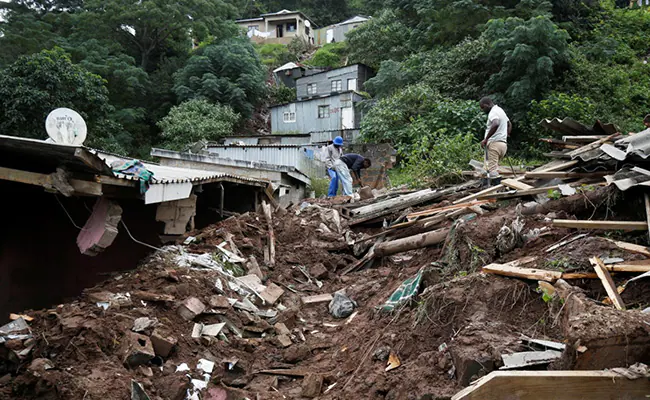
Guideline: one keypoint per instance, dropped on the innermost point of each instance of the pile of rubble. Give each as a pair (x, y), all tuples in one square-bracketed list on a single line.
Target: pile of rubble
[(401, 295)]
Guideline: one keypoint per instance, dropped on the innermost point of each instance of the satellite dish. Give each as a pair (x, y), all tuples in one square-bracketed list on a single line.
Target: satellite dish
[(66, 126), (307, 23)]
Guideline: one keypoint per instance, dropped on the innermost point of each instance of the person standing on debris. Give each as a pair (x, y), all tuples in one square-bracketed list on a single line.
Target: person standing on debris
[(350, 162), (496, 138), (333, 154)]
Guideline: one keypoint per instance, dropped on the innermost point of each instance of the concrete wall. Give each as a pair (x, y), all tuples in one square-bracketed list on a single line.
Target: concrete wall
[(339, 32), (323, 80), (306, 114)]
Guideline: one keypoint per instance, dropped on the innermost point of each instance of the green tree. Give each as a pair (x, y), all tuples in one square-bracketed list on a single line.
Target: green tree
[(330, 55), (149, 28), (196, 120), (35, 85), (532, 54), (228, 72)]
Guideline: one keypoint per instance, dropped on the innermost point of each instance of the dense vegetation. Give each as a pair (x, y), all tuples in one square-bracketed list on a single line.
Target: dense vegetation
[(153, 72)]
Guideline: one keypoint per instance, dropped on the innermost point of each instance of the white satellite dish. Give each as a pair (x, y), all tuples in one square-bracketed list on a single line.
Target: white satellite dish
[(66, 126), (307, 23)]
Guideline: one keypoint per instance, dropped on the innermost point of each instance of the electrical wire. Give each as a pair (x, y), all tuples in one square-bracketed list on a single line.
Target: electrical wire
[(136, 240), (68, 214)]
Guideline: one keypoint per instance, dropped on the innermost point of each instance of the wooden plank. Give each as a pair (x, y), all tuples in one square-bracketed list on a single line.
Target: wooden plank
[(629, 267), (550, 167), (431, 211), (91, 160), (556, 385), (593, 145), (86, 188), (579, 275), (631, 247), (515, 184), (513, 269), (578, 224), (567, 175), (583, 138), (608, 282), (269, 223), (320, 298), (109, 180)]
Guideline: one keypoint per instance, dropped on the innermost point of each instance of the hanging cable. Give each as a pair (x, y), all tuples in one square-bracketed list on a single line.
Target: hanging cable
[(66, 213), (136, 240)]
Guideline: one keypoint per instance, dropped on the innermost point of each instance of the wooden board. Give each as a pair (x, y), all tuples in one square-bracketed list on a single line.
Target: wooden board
[(631, 247), (608, 282), (513, 270), (515, 184), (629, 267), (320, 298), (431, 211), (555, 385), (80, 187), (593, 145), (583, 138), (624, 225)]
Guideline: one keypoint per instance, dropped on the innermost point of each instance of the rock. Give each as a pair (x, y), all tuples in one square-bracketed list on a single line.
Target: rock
[(381, 354), (162, 344), (365, 193), (136, 349), (284, 340), (100, 297), (296, 353), (272, 293), (281, 329), (40, 365), (312, 385), (219, 302), (341, 306), (318, 271), (143, 324), (190, 308)]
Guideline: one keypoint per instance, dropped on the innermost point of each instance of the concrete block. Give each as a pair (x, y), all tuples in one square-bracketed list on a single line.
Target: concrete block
[(318, 271), (272, 293), (190, 308), (162, 344), (219, 302), (284, 340), (136, 349), (281, 329), (100, 229)]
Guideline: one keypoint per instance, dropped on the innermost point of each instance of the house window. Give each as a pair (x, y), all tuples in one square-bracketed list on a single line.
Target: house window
[(289, 117), (337, 86), (346, 104), (291, 27), (352, 84), (312, 88), (253, 28), (323, 111)]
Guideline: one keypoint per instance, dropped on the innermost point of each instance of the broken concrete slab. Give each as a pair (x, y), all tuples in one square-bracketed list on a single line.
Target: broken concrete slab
[(144, 324), (281, 329), (318, 271), (190, 308), (219, 301), (284, 340), (100, 229), (272, 293), (212, 330)]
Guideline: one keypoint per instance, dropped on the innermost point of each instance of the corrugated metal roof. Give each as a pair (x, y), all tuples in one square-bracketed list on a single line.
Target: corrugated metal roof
[(626, 178), (356, 19), (571, 127), (167, 175)]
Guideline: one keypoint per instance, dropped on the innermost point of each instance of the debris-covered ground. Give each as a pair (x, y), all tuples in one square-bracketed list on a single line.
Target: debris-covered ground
[(298, 306)]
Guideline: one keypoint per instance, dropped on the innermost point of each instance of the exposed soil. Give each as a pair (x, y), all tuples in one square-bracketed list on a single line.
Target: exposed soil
[(455, 332)]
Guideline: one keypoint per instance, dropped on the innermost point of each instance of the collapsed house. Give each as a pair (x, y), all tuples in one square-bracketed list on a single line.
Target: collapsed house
[(529, 289)]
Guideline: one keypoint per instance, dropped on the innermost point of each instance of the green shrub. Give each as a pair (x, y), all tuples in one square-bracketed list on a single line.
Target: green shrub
[(330, 55), (274, 55)]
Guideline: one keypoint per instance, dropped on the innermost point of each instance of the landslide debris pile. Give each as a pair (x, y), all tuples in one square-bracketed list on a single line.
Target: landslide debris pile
[(319, 301)]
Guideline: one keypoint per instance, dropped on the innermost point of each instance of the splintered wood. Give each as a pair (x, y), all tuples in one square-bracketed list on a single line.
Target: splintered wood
[(269, 222), (608, 283)]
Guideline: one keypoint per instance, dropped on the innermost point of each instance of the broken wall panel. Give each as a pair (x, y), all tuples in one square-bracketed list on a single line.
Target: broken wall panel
[(177, 215), (100, 229)]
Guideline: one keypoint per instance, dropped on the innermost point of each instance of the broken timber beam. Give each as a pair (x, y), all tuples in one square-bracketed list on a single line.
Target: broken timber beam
[(431, 211), (631, 247), (411, 242), (613, 225), (556, 385), (515, 184), (269, 221), (592, 146), (608, 283), (80, 187)]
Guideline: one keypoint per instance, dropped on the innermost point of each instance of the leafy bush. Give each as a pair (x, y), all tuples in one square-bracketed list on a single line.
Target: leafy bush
[(280, 94), (228, 72), (329, 55), (274, 55), (196, 120)]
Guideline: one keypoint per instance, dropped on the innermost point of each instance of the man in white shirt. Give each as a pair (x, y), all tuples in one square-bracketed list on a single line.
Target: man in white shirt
[(497, 131)]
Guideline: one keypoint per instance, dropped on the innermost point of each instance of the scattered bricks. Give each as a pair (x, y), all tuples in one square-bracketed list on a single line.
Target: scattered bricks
[(162, 343), (284, 340), (281, 329), (312, 385), (219, 302), (318, 271), (136, 350), (191, 308), (272, 293)]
